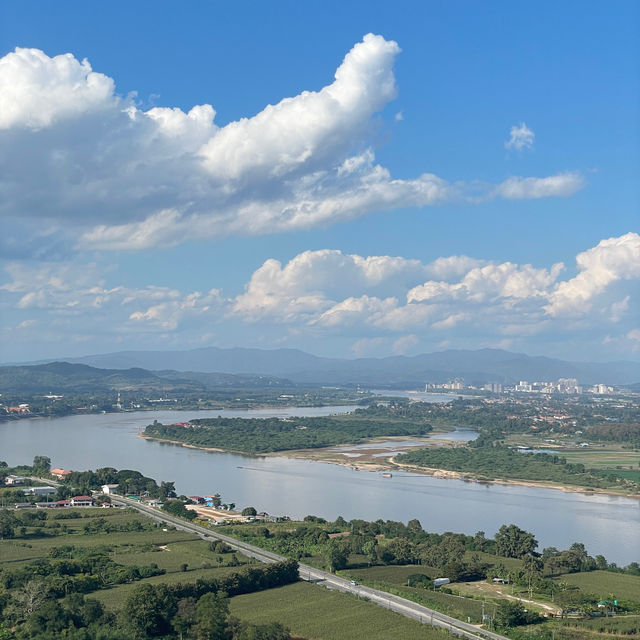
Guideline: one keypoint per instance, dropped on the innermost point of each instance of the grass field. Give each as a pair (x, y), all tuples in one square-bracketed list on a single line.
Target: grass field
[(23, 550), (628, 474), (607, 457), (314, 612), (603, 583), (394, 580), (393, 574)]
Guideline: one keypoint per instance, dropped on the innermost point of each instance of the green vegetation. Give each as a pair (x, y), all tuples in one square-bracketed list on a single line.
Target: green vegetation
[(403, 559), (603, 583), (491, 462), (627, 433), (51, 560), (318, 613), (263, 435)]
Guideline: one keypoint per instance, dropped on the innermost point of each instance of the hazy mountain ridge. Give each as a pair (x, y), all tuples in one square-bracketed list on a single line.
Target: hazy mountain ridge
[(484, 365), (57, 377)]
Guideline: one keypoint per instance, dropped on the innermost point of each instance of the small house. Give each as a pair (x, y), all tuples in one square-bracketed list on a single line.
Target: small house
[(13, 481), (61, 474), (81, 501)]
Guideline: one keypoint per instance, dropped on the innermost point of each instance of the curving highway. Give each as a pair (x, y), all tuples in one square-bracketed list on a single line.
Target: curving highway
[(382, 598)]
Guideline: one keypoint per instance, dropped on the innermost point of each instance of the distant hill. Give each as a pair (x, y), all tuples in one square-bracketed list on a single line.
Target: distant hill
[(484, 365), (59, 377)]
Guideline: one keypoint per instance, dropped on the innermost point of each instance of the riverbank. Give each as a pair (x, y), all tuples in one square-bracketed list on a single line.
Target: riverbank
[(366, 462), (470, 477)]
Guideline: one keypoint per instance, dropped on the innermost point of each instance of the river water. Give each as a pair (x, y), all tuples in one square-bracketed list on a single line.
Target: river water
[(607, 525)]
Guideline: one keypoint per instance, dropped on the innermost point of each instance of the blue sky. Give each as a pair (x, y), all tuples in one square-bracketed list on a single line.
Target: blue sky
[(468, 179)]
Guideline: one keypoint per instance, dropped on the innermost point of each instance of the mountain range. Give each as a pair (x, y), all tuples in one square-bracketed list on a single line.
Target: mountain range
[(476, 367), (82, 378)]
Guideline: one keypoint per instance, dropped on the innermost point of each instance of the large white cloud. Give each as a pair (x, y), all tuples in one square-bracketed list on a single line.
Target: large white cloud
[(374, 300), (114, 176), (612, 260), (314, 281), (36, 90)]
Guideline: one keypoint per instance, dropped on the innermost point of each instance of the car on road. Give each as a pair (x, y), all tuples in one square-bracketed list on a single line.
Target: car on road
[(353, 583)]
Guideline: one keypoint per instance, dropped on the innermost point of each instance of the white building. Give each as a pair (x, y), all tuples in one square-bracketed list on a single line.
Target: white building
[(109, 489)]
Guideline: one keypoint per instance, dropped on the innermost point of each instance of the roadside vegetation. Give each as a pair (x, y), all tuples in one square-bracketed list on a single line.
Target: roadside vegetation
[(503, 580)]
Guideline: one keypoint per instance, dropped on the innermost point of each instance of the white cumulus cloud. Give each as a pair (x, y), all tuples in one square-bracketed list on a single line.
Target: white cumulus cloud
[(612, 260), (113, 176)]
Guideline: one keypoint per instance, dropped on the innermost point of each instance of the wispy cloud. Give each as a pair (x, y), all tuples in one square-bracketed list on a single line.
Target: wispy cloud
[(520, 137)]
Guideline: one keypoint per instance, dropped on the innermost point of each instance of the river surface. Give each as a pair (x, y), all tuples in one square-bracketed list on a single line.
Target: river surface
[(607, 525)]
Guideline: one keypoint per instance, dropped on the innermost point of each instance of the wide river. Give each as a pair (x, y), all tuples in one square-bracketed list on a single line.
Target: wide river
[(606, 525)]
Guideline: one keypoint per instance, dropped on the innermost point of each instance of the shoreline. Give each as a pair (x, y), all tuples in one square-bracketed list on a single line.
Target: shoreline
[(389, 465)]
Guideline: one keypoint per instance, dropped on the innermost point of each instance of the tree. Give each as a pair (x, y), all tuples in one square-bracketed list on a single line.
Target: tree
[(148, 610), (211, 616), (336, 556), (400, 551), (510, 614), (185, 616), (249, 511), (167, 490), (7, 524), (414, 526), (451, 549), (28, 599), (480, 542), (369, 550), (513, 542), (41, 465)]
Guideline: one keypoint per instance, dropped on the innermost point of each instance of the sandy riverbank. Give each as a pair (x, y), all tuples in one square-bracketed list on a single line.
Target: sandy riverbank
[(366, 462)]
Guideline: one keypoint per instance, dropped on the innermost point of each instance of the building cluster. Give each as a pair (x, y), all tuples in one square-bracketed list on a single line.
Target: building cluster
[(20, 410), (565, 386)]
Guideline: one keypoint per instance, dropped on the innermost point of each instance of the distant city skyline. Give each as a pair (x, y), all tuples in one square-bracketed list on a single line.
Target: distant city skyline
[(358, 180)]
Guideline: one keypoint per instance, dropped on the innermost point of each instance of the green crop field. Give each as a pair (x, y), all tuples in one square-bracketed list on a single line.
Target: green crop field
[(171, 556), (629, 474), (604, 583), (314, 612), (114, 598), (394, 578), (393, 574)]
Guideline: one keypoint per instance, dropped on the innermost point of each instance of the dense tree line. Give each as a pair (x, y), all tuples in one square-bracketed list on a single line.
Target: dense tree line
[(263, 435), (492, 462), (128, 481), (627, 433)]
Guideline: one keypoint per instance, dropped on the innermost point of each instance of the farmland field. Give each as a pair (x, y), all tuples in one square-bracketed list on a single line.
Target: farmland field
[(394, 579), (314, 612), (167, 548), (604, 583)]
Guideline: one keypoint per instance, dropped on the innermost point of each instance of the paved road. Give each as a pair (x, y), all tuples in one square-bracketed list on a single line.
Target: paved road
[(388, 601)]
